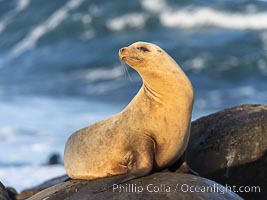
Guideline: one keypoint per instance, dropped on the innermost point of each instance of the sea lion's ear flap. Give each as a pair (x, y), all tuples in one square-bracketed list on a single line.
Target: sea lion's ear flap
[(159, 50)]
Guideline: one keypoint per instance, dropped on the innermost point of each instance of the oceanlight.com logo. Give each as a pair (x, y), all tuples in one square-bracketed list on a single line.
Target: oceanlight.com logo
[(165, 188), (218, 188), (243, 189)]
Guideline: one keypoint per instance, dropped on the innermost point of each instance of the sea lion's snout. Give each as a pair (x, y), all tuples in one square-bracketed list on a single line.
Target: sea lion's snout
[(121, 52), (122, 49)]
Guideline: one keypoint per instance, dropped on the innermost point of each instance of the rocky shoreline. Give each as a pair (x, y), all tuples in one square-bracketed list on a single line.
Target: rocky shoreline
[(227, 148)]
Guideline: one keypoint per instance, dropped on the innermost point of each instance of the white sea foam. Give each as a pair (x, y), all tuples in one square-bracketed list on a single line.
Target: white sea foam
[(196, 64), (52, 22), (22, 4), (104, 74), (153, 6), (197, 17), (86, 19), (24, 177), (246, 91), (133, 20), (40, 128), (262, 66), (264, 40), (43, 125)]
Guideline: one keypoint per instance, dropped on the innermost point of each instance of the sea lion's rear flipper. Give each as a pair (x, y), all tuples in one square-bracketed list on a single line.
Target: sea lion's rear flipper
[(142, 164)]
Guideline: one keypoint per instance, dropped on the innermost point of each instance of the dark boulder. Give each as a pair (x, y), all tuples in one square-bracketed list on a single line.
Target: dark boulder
[(164, 185), (54, 159), (3, 193), (230, 147)]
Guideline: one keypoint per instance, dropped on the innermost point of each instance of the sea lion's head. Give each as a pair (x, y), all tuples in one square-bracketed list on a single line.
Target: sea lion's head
[(139, 53), (147, 58)]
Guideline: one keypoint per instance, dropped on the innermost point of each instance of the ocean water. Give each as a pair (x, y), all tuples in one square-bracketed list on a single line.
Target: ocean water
[(60, 71)]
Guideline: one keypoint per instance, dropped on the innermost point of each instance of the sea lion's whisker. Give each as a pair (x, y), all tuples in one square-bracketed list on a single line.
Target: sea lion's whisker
[(125, 69)]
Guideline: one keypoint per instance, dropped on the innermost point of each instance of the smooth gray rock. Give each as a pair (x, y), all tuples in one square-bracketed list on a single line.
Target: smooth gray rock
[(230, 147), (164, 185)]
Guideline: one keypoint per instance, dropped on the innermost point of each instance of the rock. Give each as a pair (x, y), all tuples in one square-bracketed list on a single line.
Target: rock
[(180, 166), (164, 185), (30, 192), (3, 192), (54, 159), (230, 147), (12, 193)]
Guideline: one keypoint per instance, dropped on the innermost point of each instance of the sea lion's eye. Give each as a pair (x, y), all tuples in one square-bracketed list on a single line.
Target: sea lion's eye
[(144, 49)]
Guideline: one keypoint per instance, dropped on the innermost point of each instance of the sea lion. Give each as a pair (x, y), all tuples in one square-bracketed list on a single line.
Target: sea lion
[(150, 134)]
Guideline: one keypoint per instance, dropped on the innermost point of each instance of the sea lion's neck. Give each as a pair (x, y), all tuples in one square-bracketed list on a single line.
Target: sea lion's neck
[(170, 86)]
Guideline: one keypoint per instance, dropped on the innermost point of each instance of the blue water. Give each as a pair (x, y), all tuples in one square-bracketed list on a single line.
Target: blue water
[(60, 71)]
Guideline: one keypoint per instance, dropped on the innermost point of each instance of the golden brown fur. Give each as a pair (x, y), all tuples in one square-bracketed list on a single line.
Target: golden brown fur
[(150, 133)]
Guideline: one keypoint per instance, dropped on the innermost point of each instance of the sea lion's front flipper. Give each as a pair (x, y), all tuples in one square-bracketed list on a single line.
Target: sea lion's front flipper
[(141, 164)]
